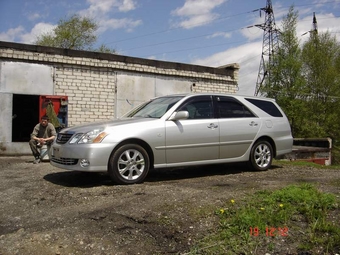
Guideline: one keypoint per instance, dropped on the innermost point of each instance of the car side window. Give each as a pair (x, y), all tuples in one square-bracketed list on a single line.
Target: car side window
[(232, 108), (266, 106), (199, 108)]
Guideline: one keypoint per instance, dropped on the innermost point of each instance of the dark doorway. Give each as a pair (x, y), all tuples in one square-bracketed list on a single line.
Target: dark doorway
[(25, 116)]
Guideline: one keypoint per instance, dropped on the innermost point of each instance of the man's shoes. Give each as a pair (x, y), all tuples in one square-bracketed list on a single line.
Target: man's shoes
[(36, 161)]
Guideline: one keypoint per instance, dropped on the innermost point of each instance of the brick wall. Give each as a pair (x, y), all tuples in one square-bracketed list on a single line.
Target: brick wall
[(91, 92)]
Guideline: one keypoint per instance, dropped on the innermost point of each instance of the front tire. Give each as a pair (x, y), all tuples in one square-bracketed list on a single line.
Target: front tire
[(261, 156), (129, 164)]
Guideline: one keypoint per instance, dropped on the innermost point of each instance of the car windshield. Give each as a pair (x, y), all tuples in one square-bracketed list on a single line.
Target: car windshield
[(155, 108)]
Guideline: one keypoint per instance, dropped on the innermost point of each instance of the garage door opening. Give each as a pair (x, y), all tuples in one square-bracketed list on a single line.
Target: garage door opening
[(28, 110), (25, 115)]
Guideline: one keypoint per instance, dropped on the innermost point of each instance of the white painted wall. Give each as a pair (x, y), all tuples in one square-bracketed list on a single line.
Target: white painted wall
[(133, 89), (19, 78), (26, 78)]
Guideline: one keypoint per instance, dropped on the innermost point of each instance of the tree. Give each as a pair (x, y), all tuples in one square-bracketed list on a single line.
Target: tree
[(306, 80), (321, 58), (287, 85), (104, 49), (76, 33), (306, 83)]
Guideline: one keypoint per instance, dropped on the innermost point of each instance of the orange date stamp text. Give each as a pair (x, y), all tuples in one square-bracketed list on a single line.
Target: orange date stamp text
[(269, 231)]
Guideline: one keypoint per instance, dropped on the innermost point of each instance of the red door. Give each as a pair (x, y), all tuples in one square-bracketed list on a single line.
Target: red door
[(55, 107)]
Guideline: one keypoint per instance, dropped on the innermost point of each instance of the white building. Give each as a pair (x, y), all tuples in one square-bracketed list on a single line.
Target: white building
[(87, 86)]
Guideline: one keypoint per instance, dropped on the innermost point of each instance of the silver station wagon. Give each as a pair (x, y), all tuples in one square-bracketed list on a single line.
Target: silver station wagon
[(177, 130)]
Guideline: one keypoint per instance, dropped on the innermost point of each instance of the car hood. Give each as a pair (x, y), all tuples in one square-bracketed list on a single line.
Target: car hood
[(83, 128)]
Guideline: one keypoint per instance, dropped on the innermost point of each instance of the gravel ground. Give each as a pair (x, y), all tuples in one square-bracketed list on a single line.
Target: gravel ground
[(46, 210)]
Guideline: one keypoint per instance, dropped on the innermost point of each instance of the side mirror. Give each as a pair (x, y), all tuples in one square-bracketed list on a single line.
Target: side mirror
[(181, 115)]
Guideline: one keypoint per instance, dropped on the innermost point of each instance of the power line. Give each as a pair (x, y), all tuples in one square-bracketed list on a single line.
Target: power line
[(330, 17), (189, 38), (191, 48), (176, 28), (315, 96), (248, 59), (203, 23), (193, 37), (329, 2), (179, 40)]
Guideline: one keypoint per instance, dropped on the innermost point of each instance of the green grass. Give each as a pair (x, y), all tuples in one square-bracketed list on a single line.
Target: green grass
[(296, 213), (304, 164)]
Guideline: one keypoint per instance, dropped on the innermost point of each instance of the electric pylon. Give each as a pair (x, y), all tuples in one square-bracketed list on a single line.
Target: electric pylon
[(270, 46), (315, 24), (314, 30)]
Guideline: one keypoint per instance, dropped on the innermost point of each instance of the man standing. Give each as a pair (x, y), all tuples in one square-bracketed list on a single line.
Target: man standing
[(43, 133)]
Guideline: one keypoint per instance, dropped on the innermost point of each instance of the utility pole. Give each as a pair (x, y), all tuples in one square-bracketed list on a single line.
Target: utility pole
[(270, 46)]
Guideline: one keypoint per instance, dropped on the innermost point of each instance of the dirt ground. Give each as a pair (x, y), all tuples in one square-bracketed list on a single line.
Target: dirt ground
[(46, 210)]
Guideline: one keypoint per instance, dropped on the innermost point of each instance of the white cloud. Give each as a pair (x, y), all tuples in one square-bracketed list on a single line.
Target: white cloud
[(127, 5), (320, 3), (325, 23), (197, 7), (220, 34), (33, 16), (11, 34), (20, 35), (152, 57), (100, 11), (247, 55), (101, 7), (252, 33), (37, 30), (129, 24), (196, 13)]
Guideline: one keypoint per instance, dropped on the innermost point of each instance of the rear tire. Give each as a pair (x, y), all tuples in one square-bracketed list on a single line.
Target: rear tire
[(129, 164), (261, 156)]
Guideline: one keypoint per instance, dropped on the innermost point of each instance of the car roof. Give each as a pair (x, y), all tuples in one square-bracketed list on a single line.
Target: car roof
[(220, 94)]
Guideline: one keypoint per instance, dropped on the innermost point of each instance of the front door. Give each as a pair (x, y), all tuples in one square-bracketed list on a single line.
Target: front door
[(196, 138)]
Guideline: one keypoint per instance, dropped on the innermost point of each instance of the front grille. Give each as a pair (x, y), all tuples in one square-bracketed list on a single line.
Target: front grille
[(65, 161), (63, 138)]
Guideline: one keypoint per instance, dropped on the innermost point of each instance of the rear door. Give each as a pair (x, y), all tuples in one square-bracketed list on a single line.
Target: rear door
[(238, 127), (196, 138)]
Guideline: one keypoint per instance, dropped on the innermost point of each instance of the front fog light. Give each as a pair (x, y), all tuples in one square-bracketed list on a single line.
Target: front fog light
[(84, 163)]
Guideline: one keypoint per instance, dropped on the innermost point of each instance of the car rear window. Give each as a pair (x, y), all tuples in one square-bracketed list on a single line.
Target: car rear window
[(266, 106)]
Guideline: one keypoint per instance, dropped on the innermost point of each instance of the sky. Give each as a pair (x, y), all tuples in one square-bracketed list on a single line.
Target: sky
[(201, 32)]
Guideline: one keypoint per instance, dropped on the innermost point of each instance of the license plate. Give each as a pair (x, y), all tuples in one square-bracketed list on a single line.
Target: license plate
[(55, 152)]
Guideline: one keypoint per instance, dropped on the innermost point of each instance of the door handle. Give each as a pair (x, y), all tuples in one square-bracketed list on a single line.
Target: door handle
[(253, 123), (212, 126)]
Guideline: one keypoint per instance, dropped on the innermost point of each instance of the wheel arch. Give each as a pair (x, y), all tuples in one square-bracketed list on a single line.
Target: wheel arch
[(269, 140), (140, 142)]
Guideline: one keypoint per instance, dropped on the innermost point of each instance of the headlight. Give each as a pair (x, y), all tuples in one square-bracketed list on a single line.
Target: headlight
[(94, 136), (76, 138)]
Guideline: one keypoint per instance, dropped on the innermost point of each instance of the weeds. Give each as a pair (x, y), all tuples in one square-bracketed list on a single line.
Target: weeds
[(266, 219)]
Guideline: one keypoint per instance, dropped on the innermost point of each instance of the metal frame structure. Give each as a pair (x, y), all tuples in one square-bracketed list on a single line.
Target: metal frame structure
[(269, 47)]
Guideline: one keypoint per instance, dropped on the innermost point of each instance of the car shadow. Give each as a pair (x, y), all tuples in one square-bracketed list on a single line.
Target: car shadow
[(89, 180), (79, 179), (192, 172)]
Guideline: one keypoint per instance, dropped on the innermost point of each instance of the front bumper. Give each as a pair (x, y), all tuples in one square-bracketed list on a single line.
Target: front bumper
[(70, 157)]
